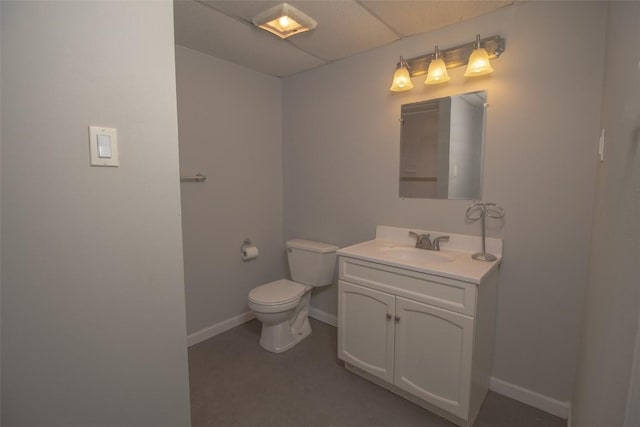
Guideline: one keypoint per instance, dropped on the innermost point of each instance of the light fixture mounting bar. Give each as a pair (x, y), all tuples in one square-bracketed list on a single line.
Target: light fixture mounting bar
[(457, 56)]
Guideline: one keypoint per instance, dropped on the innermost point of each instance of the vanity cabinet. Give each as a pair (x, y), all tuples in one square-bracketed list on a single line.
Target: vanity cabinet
[(366, 329), (428, 338)]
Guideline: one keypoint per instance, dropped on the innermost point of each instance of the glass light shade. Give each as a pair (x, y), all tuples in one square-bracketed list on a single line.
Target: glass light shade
[(437, 72), (284, 20), (284, 25), (401, 80), (479, 64)]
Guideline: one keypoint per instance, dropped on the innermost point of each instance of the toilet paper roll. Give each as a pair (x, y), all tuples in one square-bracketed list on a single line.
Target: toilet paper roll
[(249, 252)]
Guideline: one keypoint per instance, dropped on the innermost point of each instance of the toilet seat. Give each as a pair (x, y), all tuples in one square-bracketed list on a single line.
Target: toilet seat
[(277, 293)]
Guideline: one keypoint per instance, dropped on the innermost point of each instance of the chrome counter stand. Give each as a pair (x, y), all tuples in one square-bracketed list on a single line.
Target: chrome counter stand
[(480, 210)]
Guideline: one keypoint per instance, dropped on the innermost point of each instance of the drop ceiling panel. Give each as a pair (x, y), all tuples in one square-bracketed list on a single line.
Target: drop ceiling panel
[(242, 9), (223, 28), (204, 29), (408, 17), (344, 28)]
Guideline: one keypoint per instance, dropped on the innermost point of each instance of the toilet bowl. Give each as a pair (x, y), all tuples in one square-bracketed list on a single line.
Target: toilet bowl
[(283, 305)]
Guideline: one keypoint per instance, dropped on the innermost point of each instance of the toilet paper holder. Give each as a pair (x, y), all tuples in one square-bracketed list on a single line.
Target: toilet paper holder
[(248, 251), (246, 242)]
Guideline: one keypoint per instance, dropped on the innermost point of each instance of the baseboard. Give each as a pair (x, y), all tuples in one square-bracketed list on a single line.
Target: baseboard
[(225, 325), (323, 316), (531, 398), (219, 328)]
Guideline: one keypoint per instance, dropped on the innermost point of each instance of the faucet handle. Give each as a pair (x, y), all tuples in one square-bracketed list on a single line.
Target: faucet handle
[(423, 241), (417, 237), (436, 242)]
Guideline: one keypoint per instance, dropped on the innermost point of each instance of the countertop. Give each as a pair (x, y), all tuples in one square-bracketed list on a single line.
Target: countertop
[(461, 267)]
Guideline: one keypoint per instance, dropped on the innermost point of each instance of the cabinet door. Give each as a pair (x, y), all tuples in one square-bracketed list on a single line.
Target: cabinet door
[(433, 355), (365, 329)]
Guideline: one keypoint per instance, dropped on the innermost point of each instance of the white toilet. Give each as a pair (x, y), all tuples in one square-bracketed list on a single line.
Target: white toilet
[(283, 306)]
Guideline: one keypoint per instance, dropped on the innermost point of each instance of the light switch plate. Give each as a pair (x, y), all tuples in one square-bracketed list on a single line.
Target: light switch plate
[(601, 143), (103, 146)]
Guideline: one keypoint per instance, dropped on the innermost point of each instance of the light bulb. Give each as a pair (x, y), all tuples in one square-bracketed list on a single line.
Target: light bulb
[(284, 22)]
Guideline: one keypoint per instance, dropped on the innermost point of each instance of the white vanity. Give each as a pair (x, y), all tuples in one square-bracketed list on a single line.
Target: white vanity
[(418, 322)]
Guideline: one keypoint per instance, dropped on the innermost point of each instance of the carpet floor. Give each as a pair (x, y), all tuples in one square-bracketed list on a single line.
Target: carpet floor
[(234, 382)]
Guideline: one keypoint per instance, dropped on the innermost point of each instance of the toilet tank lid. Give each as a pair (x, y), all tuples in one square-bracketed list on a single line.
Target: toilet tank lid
[(311, 246)]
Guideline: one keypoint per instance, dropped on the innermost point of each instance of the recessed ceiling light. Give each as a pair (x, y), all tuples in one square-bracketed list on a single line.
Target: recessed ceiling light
[(284, 20)]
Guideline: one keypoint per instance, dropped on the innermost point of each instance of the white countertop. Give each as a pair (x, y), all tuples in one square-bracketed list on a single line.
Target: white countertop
[(458, 249)]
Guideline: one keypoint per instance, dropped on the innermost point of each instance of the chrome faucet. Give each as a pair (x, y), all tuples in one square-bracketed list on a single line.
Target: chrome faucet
[(435, 244), (423, 241)]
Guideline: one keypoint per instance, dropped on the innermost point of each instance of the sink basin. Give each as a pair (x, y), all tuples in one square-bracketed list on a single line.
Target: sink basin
[(415, 255)]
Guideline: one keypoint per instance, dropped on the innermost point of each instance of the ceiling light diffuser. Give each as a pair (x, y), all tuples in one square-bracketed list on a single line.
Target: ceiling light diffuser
[(284, 21)]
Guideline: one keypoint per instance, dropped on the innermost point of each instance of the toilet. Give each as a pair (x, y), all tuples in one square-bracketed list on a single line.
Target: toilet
[(283, 305)]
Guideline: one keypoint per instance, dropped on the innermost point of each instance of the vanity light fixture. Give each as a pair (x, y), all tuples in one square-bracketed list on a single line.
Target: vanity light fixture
[(437, 70), (401, 78), (475, 55), (284, 21), (479, 64)]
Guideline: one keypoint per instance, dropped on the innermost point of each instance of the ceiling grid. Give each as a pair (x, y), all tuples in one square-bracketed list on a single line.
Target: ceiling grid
[(223, 28)]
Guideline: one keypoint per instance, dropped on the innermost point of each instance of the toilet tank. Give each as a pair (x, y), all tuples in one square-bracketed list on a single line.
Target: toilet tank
[(311, 263)]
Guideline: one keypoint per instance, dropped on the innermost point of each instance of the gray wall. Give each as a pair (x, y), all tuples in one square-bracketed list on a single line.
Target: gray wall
[(613, 296), (0, 212), (341, 161), (93, 319), (230, 126)]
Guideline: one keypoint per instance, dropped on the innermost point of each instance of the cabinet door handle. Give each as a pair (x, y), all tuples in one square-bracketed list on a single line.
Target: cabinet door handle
[(389, 316), (397, 319)]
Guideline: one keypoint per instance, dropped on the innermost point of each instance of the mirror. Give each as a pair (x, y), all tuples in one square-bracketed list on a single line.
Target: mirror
[(441, 147)]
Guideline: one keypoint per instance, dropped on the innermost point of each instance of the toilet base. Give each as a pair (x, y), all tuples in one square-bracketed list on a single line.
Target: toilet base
[(284, 335), (279, 338)]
